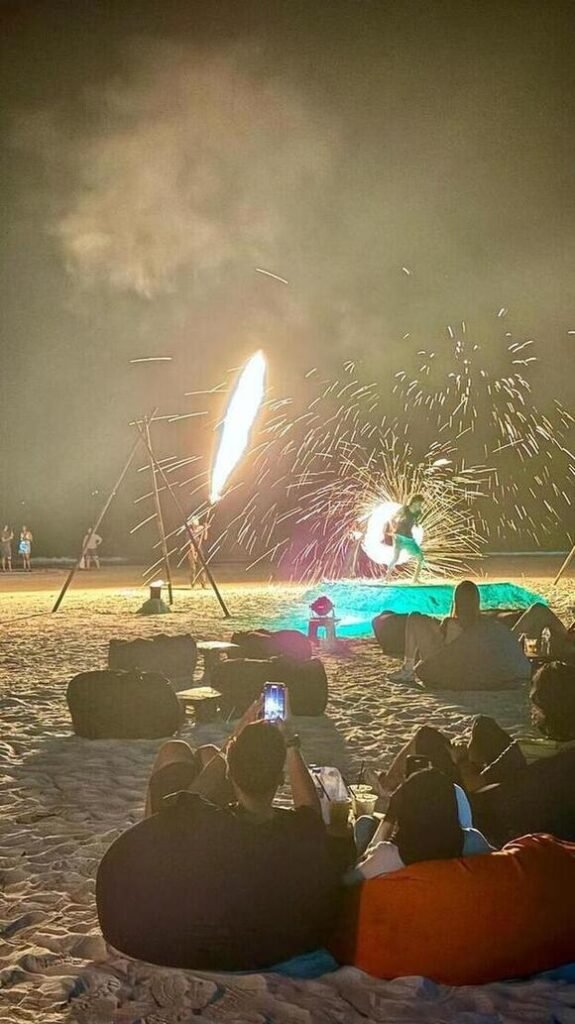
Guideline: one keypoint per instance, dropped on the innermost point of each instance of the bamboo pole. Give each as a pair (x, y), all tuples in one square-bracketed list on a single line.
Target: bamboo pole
[(186, 525), (159, 515), (565, 565), (94, 528)]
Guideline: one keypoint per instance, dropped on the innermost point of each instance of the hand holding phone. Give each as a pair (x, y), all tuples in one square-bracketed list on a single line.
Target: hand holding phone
[(274, 702)]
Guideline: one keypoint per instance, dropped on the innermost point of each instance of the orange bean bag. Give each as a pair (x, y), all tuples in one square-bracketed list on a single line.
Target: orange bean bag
[(467, 921)]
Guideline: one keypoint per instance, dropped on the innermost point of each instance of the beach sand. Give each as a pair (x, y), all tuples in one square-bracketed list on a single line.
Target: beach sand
[(63, 800)]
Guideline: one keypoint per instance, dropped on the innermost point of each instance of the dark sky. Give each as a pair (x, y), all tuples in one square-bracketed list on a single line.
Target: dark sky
[(153, 155)]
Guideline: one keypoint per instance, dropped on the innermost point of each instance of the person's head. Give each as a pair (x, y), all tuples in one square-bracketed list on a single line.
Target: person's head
[(424, 809), (436, 747), (415, 503), (256, 760), (487, 741), (466, 603), (553, 700)]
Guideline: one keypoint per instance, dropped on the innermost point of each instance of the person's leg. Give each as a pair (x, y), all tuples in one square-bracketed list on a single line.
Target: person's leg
[(172, 752), (538, 617), (418, 555), (397, 549), (363, 832), (423, 637), (96, 560), (178, 767)]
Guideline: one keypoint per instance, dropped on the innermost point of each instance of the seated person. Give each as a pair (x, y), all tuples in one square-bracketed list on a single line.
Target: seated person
[(538, 617), (552, 699), (254, 757), (488, 755), (234, 887), (421, 824), (424, 634)]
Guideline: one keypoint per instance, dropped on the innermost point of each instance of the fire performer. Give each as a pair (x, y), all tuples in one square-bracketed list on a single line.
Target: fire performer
[(200, 534), (401, 529)]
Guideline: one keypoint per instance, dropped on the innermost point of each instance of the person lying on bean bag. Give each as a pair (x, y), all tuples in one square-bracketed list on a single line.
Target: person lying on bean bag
[(421, 824), (218, 885)]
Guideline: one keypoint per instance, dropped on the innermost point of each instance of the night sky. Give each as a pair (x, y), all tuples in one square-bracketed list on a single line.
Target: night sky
[(155, 154)]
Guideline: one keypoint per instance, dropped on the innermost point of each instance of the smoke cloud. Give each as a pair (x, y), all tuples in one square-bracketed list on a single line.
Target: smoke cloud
[(189, 160)]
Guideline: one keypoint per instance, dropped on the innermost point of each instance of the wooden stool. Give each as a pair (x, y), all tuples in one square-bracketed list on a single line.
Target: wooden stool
[(327, 622)]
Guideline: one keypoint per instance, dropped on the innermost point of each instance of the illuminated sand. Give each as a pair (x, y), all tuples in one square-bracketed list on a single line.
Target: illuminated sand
[(63, 800)]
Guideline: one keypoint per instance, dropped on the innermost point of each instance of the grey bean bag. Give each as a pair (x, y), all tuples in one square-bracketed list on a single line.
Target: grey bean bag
[(485, 657)]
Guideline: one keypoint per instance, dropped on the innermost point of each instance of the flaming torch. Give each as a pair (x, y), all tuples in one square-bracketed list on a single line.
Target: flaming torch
[(238, 421)]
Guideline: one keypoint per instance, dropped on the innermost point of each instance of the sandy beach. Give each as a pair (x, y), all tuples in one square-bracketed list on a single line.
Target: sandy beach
[(64, 800)]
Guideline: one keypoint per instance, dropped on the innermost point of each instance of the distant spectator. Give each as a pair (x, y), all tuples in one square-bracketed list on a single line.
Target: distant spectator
[(6, 538), (90, 546), (25, 548)]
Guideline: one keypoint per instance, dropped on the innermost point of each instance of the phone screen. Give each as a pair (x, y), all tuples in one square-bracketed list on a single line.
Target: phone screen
[(274, 701)]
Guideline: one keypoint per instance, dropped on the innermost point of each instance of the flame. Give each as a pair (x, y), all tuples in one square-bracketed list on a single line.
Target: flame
[(373, 543), (238, 421)]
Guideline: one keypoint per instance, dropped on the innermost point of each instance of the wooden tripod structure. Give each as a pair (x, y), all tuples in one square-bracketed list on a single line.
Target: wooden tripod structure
[(144, 438)]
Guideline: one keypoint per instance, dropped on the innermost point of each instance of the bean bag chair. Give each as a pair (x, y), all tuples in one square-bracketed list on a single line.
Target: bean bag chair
[(195, 886), (262, 643), (389, 629), (484, 657), (123, 705), (241, 680), (172, 656), (468, 921), (539, 797)]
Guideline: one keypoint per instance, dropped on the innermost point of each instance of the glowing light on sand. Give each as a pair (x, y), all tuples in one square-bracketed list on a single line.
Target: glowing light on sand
[(238, 422), (373, 541)]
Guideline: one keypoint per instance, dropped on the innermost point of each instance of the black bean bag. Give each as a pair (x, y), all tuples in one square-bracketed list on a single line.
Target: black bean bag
[(197, 887), (389, 629), (539, 797), (262, 643), (173, 656), (123, 705), (484, 657), (241, 680)]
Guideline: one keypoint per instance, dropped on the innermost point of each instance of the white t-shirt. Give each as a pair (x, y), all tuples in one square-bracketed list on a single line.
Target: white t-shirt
[(383, 858)]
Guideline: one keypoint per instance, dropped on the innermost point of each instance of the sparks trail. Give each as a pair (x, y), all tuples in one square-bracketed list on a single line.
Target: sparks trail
[(481, 399)]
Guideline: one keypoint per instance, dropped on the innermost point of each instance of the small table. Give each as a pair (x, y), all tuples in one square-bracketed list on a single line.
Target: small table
[(213, 652), (204, 701)]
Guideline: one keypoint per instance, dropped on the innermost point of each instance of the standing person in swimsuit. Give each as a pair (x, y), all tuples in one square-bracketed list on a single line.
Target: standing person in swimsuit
[(6, 538), (402, 525), (25, 548)]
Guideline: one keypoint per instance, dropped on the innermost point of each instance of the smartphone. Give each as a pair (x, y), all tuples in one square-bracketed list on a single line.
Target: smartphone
[(415, 763), (274, 702)]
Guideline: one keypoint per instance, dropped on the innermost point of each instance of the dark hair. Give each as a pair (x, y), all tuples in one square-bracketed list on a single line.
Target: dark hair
[(553, 693), (466, 602), (256, 759), (425, 809), (416, 497), (432, 744)]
